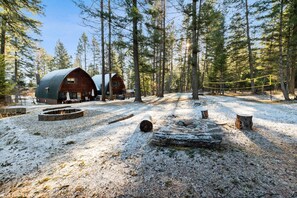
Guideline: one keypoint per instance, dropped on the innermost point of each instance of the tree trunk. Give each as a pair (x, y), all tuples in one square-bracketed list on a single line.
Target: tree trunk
[(160, 73), (194, 51), (171, 70), (135, 54), (2, 60), (251, 60), (109, 52), (102, 53), (143, 85), (16, 75), (284, 86), (154, 73), (3, 37), (184, 80), (187, 77), (85, 55), (293, 53), (164, 49)]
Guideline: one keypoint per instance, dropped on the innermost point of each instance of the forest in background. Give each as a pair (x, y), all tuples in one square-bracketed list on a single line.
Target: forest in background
[(161, 46)]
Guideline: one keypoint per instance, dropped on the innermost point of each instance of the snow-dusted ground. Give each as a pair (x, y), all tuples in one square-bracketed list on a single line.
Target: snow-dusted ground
[(86, 157)]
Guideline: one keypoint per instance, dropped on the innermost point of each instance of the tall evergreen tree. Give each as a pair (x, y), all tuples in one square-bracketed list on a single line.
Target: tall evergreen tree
[(102, 51), (95, 54), (244, 8), (195, 48), (134, 12), (16, 21), (61, 59), (82, 49)]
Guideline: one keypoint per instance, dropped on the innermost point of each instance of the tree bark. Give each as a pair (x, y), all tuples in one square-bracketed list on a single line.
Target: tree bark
[(251, 60), (284, 87), (154, 68), (292, 80), (3, 38), (102, 53), (164, 49), (16, 74), (293, 54), (136, 54), (194, 51), (244, 122), (109, 52), (185, 139), (2, 60)]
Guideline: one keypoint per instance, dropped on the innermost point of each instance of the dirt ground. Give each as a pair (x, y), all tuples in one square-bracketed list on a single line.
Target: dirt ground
[(87, 157)]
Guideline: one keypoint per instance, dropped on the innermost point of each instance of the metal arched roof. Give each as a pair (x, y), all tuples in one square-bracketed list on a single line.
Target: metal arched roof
[(98, 80)]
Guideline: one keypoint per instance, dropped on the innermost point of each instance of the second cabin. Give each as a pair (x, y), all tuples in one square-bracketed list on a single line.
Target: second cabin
[(118, 86)]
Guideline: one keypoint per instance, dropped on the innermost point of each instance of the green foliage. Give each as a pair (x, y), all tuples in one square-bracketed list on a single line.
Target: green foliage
[(61, 58), (18, 29)]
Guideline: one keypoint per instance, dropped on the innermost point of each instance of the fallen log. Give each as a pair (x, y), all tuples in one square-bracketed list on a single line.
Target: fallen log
[(122, 118), (55, 108), (244, 122), (146, 124), (186, 140)]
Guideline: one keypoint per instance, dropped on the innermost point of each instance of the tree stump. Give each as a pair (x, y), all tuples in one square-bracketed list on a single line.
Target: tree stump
[(146, 124), (244, 122), (204, 114)]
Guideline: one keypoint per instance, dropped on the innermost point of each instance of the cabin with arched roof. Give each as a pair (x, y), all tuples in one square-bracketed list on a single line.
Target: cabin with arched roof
[(66, 85), (118, 85)]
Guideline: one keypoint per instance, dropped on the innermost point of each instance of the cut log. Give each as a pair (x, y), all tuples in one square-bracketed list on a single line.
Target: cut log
[(186, 140), (146, 124), (204, 114), (122, 118), (244, 122), (54, 108)]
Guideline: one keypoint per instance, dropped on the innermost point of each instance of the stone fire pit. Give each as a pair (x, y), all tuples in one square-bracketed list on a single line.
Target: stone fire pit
[(60, 114)]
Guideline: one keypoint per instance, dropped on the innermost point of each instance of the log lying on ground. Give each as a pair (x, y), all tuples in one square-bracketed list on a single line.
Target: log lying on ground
[(146, 124), (186, 140), (244, 122), (54, 108), (122, 118)]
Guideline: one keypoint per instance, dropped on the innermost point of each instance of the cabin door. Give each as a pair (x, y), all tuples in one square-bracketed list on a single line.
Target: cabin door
[(78, 95)]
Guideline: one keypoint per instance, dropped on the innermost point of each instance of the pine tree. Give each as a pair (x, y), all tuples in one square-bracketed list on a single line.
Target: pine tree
[(16, 21), (244, 8), (135, 18), (61, 59), (82, 49), (95, 54)]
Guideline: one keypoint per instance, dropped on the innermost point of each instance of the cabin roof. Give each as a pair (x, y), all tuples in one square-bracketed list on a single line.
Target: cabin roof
[(50, 84), (98, 80)]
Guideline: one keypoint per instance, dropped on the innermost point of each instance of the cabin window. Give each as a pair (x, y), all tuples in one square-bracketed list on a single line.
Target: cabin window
[(73, 95), (70, 80), (115, 84), (46, 90)]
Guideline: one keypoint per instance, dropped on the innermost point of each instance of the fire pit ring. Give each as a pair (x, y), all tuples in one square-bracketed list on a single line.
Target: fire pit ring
[(60, 114)]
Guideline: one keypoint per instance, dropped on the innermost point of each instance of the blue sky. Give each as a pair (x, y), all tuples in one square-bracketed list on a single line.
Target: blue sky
[(61, 22)]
